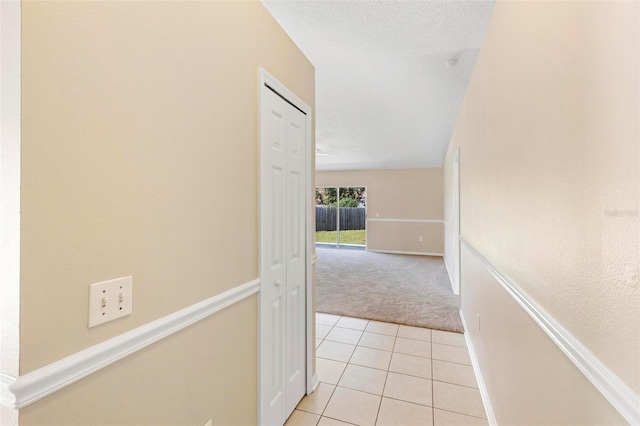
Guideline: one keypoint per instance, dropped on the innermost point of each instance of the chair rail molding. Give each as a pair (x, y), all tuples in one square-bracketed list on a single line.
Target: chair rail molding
[(379, 219), (614, 389), (44, 381), (416, 253)]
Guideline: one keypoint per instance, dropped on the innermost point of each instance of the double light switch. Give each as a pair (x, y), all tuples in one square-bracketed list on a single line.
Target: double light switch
[(109, 300)]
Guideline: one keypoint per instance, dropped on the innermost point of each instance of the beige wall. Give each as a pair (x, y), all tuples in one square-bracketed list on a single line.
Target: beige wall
[(531, 382), (549, 159), (206, 371), (140, 157), (398, 194)]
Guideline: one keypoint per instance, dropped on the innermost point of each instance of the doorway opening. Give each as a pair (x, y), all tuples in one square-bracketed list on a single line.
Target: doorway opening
[(341, 217)]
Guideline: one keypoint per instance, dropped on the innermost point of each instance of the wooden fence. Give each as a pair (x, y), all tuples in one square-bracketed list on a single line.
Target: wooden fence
[(350, 218)]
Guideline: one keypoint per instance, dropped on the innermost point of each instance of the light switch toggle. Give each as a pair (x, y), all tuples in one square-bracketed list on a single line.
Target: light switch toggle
[(110, 300)]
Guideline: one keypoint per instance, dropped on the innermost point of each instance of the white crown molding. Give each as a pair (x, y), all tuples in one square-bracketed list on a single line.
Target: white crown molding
[(418, 253), (616, 391), (482, 387), (44, 381), (377, 219)]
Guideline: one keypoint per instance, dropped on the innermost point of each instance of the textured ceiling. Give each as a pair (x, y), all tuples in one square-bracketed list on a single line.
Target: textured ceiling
[(385, 95)]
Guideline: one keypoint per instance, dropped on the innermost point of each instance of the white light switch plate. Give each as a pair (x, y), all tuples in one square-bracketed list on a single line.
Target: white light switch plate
[(109, 300)]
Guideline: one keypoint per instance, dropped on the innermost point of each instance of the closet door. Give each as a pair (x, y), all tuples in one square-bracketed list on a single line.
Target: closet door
[(282, 257), (296, 267)]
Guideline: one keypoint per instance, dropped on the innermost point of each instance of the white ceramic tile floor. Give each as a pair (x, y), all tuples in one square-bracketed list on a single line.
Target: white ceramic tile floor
[(344, 335), (322, 330), (373, 358), (382, 328), (415, 333), (364, 379), (353, 323), (390, 375), (411, 365), (457, 354), (335, 350), (377, 341), (412, 347)]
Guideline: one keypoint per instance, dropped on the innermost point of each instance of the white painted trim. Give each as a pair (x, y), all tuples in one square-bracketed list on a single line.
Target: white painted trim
[(444, 258), (265, 77), (447, 230), (315, 382), (419, 253), (482, 387), (6, 397), (616, 391), (10, 178), (51, 378), (310, 256), (378, 219), (456, 224)]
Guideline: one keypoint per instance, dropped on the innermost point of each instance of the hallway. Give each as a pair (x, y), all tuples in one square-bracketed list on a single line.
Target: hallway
[(500, 135), (384, 374)]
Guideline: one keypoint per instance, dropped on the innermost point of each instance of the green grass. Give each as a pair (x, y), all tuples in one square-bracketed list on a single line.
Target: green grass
[(346, 237)]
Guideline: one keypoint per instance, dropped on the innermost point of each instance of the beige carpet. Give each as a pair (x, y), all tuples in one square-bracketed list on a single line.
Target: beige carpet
[(402, 289)]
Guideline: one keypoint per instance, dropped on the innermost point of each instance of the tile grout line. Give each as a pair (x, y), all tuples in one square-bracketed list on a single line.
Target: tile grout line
[(381, 396), (328, 401), (451, 383), (433, 401), (338, 420), (461, 414), (447, 344), (451, 362), (386, 377), (336, 385)]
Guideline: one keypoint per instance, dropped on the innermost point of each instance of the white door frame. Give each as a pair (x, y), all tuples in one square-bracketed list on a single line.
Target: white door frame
[(266, 79), (455, 283), (10, 168)]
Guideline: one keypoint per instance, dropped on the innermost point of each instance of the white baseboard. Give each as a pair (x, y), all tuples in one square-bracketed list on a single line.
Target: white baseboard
[(486, 401), (418, 253), (446, 266), (9, 416), (315, 382), (44, 381), (616, 391)]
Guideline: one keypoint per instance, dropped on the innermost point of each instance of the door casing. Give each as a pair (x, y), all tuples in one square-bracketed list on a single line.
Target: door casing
[(456, 224)]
